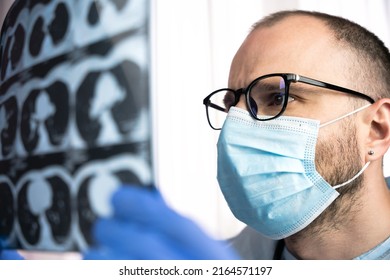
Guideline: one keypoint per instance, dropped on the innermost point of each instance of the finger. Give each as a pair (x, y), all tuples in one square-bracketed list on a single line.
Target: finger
[(10, 255), (147, 208), (132, 203), (134, 241)]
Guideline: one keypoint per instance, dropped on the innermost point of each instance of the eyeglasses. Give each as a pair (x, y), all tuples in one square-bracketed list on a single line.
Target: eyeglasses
[(266, 97)]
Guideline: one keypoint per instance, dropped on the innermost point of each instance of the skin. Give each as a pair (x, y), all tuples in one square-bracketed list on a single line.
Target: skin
[(359, 219)]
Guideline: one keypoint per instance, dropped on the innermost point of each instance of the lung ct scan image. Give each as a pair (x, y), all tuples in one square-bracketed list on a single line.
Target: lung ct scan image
[(75, 119)]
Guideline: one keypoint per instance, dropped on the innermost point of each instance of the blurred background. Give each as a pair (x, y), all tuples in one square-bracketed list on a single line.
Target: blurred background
[(193, 43)]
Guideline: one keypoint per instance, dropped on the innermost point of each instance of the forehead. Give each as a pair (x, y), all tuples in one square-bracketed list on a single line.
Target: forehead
[(296, 44)]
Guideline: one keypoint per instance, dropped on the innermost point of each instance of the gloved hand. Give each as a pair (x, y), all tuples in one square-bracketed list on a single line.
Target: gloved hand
[(9, 255), (144, 227)]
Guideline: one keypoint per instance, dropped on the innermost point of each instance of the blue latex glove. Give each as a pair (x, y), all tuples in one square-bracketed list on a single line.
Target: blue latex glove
[(144, 227), (10, 255)]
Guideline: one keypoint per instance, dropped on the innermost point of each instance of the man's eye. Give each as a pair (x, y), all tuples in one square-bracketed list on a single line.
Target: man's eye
[(278, 99)]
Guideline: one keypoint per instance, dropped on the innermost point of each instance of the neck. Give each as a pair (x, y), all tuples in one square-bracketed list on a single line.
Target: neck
[(359, 224)]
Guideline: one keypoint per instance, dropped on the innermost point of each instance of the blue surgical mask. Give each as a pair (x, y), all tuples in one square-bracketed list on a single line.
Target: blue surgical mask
[(267, 173)]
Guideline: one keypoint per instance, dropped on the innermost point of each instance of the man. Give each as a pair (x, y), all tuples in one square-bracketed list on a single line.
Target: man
[(299, 160), (336, 51)]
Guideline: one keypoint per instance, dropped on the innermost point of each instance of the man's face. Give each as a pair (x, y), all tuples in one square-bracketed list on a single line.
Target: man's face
[(300, 45), (304, 46)]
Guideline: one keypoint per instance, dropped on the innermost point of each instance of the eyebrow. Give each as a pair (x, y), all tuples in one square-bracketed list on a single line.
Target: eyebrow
[(308, 89), (269, 86)]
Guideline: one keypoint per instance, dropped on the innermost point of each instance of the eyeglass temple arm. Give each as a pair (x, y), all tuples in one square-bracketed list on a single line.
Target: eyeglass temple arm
[(212, 105), (333, 87)]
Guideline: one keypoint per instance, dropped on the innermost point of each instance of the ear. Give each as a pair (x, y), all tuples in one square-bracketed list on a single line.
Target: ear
[(378, 140)]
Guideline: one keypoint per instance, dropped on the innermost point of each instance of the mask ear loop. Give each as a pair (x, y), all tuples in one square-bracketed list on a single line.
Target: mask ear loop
[(368, 163), (347, 115), (354, 177)]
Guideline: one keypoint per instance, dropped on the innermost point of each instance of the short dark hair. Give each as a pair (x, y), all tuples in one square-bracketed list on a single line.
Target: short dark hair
[(372, 56)]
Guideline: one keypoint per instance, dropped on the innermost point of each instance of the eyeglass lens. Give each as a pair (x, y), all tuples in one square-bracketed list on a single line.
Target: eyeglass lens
[(218, 106), (265, 100)]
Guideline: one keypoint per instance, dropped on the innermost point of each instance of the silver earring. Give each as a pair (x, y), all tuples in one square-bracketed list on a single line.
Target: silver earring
[(370, 152)]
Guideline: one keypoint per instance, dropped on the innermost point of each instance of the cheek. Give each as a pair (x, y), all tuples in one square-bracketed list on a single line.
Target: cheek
[(330, 148), (323, 155), (337, 153)]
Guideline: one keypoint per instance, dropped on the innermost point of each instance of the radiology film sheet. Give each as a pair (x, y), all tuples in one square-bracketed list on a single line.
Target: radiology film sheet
[(74, 117)]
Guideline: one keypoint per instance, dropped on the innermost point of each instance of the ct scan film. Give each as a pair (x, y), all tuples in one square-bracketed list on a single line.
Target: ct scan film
[(74, 117)]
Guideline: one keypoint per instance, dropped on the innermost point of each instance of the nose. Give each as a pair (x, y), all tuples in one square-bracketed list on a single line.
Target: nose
[(240, 94)]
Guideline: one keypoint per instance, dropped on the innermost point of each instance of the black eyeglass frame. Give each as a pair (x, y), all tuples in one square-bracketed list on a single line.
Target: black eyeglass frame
[(288, 78)]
